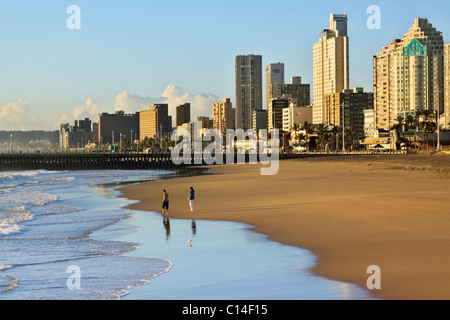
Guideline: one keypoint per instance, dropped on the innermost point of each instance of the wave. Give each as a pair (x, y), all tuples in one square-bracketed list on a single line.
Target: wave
[(11, 217), (8, 283)]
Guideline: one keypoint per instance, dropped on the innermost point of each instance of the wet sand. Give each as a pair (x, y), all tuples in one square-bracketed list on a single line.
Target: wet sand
[(389, 211)]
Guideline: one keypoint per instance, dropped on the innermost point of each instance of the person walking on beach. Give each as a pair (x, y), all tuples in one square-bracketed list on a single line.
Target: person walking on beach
[(165, 206), (191, 198)]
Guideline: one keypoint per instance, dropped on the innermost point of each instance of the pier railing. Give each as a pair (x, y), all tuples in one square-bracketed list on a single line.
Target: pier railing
[(92, 161)]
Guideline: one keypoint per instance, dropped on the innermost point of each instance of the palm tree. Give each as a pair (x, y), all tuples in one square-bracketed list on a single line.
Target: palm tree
[(410, 122), (400, 121), (321, 131), (335, 133)]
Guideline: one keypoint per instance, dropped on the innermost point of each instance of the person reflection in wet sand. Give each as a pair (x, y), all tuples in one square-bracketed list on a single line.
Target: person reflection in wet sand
[(166, 223), (194, 231), (193, 227)]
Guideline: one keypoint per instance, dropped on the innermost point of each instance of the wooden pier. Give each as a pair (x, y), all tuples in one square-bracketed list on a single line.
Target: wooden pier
[(105, 161)]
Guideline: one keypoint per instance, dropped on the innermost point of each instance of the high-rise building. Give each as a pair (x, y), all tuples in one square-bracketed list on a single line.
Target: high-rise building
[(183, 114), (347, 108), (222, 115), (330, 64), (274, 75), (385, 87), (112, 127), (248, 88), (154, 121), (296, 89), (205, 122), (446, 117), (84, 124), (275, 113), (409, 75), (259, 121)]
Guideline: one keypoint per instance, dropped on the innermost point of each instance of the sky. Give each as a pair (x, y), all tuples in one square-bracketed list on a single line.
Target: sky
[(129, 54)]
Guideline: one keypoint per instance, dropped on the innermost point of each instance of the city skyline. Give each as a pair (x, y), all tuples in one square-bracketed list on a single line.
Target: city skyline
[(53, 75)]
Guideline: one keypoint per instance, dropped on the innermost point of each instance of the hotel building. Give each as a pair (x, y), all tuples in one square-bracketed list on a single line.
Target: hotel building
[(409, 75), (155, 121), (330, 65), (112, 127)]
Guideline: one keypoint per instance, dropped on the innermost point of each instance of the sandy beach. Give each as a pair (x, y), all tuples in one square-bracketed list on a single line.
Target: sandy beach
[(352, 212)]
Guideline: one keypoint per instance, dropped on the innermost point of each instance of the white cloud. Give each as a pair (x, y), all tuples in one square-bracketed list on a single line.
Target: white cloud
[(131, 103), (18, 116), (201, 103), (90, 110)]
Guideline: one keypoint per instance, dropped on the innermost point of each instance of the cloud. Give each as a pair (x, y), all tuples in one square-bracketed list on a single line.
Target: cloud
[(131, 103), (201, 103), (90, 110), (18, 116)]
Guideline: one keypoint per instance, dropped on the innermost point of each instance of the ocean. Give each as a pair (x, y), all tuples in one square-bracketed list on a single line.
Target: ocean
[(67, 235)]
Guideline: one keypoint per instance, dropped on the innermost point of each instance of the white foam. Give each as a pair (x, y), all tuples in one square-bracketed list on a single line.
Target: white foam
[(11, 217)]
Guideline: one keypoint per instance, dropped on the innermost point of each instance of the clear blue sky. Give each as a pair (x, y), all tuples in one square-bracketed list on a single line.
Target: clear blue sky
[(143, 46)]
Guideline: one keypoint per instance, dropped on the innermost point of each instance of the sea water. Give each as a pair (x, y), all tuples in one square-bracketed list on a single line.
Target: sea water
[(55, 222), (46, 218)]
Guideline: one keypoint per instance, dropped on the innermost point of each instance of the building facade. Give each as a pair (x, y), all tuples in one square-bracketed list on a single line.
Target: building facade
[(259, 121), (296, 115), (446, 117), (155, 121), (296, 89), (248, 89), (274, 75), (275, 113), (409, 75), (183, 114), (112, 127), (347, 108), (330, 65), (385, 85), (222, 115)]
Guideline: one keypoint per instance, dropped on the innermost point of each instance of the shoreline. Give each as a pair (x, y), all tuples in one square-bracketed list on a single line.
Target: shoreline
[(389, 231)]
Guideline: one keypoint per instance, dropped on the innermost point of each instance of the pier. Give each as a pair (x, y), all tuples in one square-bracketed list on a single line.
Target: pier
[(119, 161)]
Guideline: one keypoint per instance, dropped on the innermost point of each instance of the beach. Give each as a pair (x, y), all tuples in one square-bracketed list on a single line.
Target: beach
[(351, 212)]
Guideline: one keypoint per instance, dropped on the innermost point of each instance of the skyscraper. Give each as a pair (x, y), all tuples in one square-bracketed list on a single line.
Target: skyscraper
[(409, 75), (385, 86), (183, 114), (222, 115), (274, 75), (296, 89), (248, 89), (113, 127), (446, 118), (330, 65), (154, 121)]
